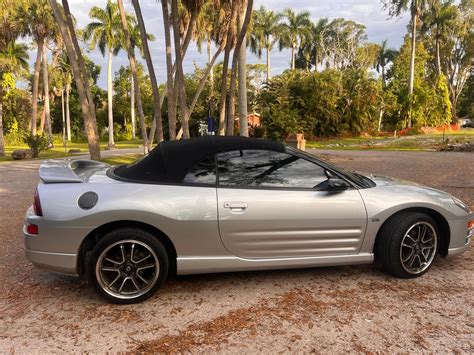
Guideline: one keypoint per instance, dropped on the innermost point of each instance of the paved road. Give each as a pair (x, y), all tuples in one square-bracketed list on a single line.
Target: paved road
[(354, 308)]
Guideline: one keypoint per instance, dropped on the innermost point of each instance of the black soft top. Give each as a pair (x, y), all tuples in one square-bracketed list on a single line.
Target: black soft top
[(170, 161)]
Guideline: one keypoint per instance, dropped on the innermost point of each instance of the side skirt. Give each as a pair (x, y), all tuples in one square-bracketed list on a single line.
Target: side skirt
[(212, 264)]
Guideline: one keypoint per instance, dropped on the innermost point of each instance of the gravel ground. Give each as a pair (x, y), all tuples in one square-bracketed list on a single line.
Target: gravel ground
[(355, 308)]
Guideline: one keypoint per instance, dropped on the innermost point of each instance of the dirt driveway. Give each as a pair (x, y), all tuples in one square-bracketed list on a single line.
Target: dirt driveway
[(327, 309)]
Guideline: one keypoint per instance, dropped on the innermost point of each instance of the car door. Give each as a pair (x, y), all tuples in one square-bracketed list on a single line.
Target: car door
[(268, 208)]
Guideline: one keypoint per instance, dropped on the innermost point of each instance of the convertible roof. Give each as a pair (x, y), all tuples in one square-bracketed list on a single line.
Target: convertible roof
[(171, 160)]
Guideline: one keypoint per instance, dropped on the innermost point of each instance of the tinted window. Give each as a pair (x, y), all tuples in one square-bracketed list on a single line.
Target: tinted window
[(267, 169), (203, 172)]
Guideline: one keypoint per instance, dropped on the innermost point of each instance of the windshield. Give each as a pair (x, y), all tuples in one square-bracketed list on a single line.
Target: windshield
[(358, 179)]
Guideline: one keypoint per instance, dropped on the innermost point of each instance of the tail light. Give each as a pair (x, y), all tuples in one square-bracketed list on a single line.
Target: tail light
[(32, 229), (37, 205)]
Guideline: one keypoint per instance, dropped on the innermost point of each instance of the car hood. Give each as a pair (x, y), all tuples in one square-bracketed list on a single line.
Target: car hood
[(406, 185)]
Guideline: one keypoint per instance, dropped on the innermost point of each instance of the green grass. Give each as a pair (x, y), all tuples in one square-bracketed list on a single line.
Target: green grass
[(122, 159), (415, 142), (58, 150)]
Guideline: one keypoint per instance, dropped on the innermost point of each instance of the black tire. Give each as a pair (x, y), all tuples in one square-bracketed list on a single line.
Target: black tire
[(389, 251), (121, 246)]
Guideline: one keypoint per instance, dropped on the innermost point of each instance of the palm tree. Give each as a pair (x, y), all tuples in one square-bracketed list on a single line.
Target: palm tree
[(416, 7), (242, 67), (65, 22), (293, 31), (169, 71), (385, 56), (62, 80), (136, 42), (242, 31), (106, 33), (312, 52), (208, 30), (439, 18), (265, 31), (37, 21), (133, 68), (13, 62), (151, 71), (47, 111), (231, 17)]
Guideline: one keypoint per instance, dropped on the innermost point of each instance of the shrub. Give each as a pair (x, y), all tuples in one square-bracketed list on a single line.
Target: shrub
[(36, 143)]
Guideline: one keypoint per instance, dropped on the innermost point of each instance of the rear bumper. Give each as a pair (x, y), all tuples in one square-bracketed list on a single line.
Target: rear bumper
[(55, 248), (57, 262)]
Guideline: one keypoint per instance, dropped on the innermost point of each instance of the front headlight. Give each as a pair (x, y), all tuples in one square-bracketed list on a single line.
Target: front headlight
[(461, 204)]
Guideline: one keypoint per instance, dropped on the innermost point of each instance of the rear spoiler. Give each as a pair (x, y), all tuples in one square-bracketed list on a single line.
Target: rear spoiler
[(67, 170)]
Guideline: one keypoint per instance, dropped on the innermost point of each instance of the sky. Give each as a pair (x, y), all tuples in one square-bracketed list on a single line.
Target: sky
[(367, 12)]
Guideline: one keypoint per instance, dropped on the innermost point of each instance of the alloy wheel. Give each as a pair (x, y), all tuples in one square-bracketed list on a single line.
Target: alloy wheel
[(418, 247), (127, 269)]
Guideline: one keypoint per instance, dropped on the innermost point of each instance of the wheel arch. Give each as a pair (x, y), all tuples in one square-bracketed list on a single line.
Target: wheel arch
[(441, 221), (92, 238)]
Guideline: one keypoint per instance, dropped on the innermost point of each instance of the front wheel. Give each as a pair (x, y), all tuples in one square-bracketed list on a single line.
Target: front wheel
[(128, 265), (407, 244)]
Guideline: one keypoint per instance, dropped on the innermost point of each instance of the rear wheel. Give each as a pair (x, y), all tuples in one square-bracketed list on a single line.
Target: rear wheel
[(408, 244), (128, 265)]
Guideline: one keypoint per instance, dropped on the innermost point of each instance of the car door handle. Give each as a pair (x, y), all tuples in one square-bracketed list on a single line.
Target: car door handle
[(236, 206)]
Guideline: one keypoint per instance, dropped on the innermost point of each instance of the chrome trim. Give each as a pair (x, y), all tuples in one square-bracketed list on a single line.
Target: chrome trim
[(210, 264)]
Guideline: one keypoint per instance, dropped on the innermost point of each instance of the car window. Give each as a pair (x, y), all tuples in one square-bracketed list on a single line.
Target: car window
[(203, 172), (267, 169)]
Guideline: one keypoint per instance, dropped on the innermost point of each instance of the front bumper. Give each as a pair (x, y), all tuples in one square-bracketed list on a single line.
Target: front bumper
[(465, 240)]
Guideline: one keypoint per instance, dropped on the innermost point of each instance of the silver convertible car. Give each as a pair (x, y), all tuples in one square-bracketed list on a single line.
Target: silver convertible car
[(219, 204)]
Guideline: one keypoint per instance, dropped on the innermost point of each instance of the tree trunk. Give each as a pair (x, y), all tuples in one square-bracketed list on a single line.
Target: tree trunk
[(293, 54), (151, 73), (41, 126), (179, 67), (242, 60), (132, 108), (225, 69), (380, 117), (203, 80), (68, 113), (47, 110), (133, 68), (2, 139), (454, 108), (209, 58), (268, 63), (230, 110), (110, 93), (34, 98), (201, 85), (64, 118), (240, 40), (412, 68), (66, 27), (438, 56), (223, 94), (169, 72), (384, 83)]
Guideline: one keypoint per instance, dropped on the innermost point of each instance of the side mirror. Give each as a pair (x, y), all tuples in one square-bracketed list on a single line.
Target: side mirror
[(335, 184)]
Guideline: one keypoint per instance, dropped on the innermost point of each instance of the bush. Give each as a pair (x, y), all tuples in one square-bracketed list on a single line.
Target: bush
[(36, 143), (14, 139), (321, 104)]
